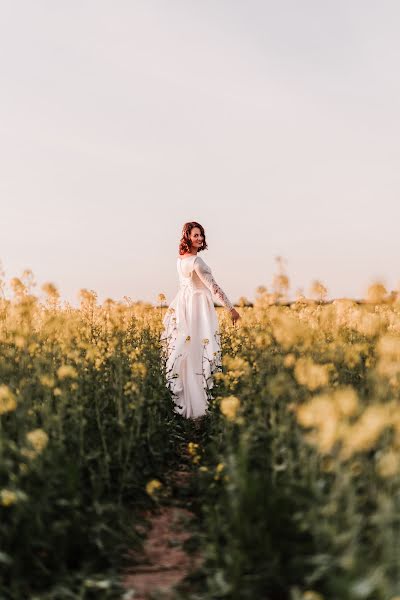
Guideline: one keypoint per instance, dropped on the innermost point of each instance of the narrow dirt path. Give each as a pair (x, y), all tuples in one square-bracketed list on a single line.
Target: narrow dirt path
[(165, 561)]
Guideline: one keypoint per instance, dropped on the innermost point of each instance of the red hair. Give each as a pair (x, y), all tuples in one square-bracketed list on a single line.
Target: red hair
[(185, 245)]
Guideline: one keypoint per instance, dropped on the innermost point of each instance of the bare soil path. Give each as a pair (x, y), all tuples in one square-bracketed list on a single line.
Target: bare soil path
[(167, 557)]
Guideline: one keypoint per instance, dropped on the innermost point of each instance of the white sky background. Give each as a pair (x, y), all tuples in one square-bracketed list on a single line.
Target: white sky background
[(275, 124)]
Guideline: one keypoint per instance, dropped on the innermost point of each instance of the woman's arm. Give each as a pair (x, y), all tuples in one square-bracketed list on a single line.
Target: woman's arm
[(205, 275)]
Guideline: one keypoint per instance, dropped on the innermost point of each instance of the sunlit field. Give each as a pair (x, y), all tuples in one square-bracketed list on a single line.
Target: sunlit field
[(295, 472)]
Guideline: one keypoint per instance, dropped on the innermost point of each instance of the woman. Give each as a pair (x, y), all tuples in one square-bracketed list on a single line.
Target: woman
[(191, 338)]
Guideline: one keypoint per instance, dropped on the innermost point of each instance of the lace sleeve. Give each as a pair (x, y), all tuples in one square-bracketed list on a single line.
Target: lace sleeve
[(205, 275)]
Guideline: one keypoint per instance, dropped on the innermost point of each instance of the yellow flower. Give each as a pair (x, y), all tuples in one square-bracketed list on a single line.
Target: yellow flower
[(236, 366), (192, 448), (67, 371), (187, 338), (205, 341), (229, 407), (326, 413), (130, 388), (289, 360), (8, 402), (320, 412), (388, 350), (47, 381), (218, 469), (310, 374), (8, 497), (38, 439), (346, 400), (139, 370), (367, 324), (28, 453), (19, 341), (289, 331), (262, 340), (152, 486), (194, 452), (388, 464), (366, 430), (311, 595), (376, 293), (50, 290)]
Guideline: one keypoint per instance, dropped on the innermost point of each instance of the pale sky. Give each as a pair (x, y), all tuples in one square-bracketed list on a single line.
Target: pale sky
[(275, 124)]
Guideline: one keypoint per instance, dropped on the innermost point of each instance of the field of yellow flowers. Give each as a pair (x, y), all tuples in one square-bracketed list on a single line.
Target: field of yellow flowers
[(299, 469), (295, 470), (85, 423)]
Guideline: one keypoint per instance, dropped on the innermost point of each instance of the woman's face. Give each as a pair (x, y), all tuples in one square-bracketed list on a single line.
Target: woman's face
[(196, 238)]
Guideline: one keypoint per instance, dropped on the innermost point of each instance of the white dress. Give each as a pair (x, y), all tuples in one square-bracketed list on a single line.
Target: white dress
[(191, 338)]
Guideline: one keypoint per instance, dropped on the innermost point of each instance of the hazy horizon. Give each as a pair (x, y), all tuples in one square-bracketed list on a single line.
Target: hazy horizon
[(274, 125)]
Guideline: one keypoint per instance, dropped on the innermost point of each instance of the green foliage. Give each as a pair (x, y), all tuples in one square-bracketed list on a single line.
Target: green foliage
[(285, 514), (90, 385), (296, 468)]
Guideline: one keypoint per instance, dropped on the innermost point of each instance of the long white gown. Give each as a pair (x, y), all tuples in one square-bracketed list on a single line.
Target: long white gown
[(191, 338)]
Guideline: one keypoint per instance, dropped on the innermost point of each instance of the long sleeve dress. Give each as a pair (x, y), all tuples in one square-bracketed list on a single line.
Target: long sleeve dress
[(191, 338)]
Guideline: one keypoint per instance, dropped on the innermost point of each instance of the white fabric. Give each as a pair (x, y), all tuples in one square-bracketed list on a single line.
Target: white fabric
[(190, 321)]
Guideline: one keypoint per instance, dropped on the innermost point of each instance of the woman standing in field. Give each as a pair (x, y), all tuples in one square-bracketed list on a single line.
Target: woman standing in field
[(191, 337)]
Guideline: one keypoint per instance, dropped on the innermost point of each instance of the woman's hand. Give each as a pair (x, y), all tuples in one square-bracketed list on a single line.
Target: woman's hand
[(235, 316)]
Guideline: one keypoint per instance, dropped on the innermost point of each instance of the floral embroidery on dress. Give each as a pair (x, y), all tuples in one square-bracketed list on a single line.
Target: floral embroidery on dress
[(203, 271)]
